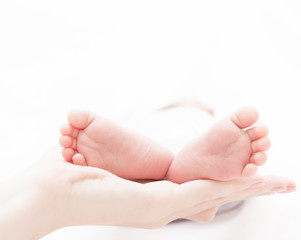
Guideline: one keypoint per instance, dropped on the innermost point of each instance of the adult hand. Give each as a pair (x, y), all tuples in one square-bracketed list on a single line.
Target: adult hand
[(270, 185), (53, 194)]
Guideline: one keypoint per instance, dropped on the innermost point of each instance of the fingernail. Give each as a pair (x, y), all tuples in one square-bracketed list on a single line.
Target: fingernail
[(257, 184), (279, 189)]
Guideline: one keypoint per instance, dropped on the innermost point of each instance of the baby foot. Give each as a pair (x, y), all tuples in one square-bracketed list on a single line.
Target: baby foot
[(91, 140), (226, 151)]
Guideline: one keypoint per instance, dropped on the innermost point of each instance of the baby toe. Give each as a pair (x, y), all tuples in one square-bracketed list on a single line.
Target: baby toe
[(66, 141), (259, 131), (68, 154), (261, 144), (79, 159), (258, 158), (249, 170), (80, 119), (66, 129), (245, 117)]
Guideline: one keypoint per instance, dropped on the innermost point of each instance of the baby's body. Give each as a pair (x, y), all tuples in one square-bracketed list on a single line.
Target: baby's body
[(231, 148)]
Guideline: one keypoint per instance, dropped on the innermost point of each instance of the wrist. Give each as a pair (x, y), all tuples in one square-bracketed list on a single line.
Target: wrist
[(26, 209)]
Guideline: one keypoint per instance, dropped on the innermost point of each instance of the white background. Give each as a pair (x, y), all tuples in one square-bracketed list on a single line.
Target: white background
[(120, 58)]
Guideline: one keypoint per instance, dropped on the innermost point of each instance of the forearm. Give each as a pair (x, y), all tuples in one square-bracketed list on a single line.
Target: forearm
[(23, 212)]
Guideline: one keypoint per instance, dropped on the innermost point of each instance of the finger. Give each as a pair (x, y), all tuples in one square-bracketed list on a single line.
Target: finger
[(270, 185), (190, 198), (192, 193)]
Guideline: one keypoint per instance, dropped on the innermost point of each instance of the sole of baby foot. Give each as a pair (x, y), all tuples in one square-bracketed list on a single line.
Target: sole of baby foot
[(230, 149), (91, 140)]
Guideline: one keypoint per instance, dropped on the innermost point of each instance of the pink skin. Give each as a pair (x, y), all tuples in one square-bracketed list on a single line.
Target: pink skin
[(91, 140), (225, 152), (230, 149)]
